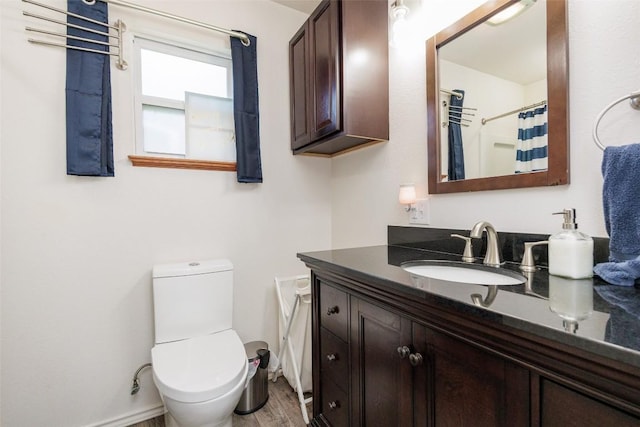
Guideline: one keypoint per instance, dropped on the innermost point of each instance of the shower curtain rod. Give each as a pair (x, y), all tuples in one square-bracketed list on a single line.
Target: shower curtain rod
[(243, 37), (537, 104)]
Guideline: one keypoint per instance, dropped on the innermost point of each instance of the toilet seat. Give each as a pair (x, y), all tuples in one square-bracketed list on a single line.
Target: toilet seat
[(201, 368)]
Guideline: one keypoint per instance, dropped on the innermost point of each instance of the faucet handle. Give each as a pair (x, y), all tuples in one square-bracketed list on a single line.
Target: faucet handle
[(467, 256), (528, 264)]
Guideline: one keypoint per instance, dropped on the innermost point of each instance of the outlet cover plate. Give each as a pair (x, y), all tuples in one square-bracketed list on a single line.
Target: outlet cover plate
[(420, 212)]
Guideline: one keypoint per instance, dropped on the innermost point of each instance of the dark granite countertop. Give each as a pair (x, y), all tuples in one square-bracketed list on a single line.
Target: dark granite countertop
[(608, 316)]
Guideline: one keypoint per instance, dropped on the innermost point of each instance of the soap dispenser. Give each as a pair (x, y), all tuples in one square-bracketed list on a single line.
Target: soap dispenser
[(570, 251)]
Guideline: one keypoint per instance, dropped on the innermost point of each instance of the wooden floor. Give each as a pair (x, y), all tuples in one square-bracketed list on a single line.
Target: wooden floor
[(281, 410)]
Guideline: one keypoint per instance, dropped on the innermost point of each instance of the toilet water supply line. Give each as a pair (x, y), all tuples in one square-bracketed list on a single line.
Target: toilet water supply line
[(135, 387)]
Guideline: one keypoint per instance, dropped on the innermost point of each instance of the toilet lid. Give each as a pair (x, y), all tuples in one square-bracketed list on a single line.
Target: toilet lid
[(201, 368)]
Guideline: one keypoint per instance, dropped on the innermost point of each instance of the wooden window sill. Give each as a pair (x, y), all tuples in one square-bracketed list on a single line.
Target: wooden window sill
[(165, 162)]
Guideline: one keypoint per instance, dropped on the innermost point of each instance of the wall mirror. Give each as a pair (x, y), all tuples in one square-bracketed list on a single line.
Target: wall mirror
[(497, 99)]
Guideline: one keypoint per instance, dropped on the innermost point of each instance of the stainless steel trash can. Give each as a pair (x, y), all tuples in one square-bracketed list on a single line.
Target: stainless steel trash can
[(256, 394)]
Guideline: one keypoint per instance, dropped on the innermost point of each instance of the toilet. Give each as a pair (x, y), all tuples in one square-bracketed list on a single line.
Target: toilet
[(199, 363)]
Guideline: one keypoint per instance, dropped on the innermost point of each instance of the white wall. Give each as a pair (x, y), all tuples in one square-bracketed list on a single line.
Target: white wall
[(490, 96), (76, 311), (78, 251), (603, 67)]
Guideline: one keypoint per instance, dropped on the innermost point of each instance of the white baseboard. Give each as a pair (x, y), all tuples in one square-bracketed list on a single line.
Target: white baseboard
[(132, 417)]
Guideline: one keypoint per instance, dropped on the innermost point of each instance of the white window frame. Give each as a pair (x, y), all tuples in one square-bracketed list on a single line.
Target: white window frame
[(180, 50)]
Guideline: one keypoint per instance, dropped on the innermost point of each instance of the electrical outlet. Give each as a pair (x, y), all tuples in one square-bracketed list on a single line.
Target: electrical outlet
[(420, 212)]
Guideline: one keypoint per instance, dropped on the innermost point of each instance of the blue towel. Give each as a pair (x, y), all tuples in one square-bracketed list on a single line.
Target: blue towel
[(621, 203), (621, 200), (622, 273)]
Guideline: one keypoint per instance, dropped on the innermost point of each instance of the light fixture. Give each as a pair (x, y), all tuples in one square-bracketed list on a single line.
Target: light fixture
[(510, 12), (399, 24), (407, 196)]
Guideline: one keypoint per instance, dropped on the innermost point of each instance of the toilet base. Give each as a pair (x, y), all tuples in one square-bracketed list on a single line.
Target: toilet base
[(170, 422), (217, 412)]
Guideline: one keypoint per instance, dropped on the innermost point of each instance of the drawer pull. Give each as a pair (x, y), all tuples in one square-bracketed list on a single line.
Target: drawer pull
[(331, 357), (334, 405), (415, 359), (333, 310), (404, 351)]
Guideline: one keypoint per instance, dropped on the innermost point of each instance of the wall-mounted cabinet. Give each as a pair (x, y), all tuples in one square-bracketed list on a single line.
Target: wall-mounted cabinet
[(339, 78)]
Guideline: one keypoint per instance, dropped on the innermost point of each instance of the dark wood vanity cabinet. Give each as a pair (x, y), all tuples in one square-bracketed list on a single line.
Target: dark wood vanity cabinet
[(331, 361), (381, 379), (377, 367), (472, 387), (377, 364), (339, 78), (563, 406)]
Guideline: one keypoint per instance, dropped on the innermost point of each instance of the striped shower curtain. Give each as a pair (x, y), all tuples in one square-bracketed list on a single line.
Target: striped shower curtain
[(532, 145)]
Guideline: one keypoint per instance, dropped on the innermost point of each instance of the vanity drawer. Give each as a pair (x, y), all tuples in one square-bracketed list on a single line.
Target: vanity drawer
[(334, 310), (334, 359), (335, 406)]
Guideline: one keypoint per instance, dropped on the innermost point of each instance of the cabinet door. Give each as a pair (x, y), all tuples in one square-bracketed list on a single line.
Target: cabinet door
[(561, 406), (381, 380), (299, 88), (324, 59), (472, 387)]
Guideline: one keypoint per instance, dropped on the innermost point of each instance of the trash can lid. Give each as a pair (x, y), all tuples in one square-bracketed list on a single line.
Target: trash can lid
[(252, 348)]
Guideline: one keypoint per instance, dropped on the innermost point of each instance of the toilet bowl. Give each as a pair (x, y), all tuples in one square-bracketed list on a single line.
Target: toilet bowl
[(201, 379), (199, 363)]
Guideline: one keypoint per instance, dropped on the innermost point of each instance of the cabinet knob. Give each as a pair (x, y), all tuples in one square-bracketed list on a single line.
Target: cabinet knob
[(334, 404), (404, 351), (415, 359), (331, 357), (333, 310)]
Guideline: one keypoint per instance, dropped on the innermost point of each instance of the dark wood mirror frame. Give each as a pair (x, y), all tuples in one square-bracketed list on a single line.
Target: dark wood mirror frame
[(557, 97)]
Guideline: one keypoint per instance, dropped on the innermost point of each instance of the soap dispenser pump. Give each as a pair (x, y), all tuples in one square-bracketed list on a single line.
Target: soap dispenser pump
[(570, 251)]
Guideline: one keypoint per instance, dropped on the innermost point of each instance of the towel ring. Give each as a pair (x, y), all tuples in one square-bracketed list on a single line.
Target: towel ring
[(635, 104)]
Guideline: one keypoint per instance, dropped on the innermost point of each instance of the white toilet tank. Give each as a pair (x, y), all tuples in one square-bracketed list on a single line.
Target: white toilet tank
[(192, 299)]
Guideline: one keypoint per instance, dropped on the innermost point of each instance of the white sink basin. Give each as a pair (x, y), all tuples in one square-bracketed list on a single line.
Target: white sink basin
[(464, 273)]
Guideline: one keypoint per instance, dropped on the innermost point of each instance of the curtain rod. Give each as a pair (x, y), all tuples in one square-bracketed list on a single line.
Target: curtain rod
[(537, 104), (243, 37)]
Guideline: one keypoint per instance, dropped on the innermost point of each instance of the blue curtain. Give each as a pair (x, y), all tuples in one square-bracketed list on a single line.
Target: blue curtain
[(532, 145), (88, 97), (245, 110), (456, 151)]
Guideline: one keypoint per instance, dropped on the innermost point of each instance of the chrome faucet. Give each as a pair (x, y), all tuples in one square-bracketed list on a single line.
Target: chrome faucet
[(528, 264), (492, 257)]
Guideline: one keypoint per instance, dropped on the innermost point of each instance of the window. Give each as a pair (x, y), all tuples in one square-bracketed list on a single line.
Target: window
[(184, 108)]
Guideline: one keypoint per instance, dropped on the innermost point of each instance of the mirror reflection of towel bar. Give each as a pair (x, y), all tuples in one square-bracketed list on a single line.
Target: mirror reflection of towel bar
[(457, 107), (445, 124), (452, 92)]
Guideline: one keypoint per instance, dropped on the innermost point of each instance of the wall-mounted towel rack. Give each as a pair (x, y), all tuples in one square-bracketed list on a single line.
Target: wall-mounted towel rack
[(447, 109), (452, 92), (525, 108), (113, 48), (634, 101)]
